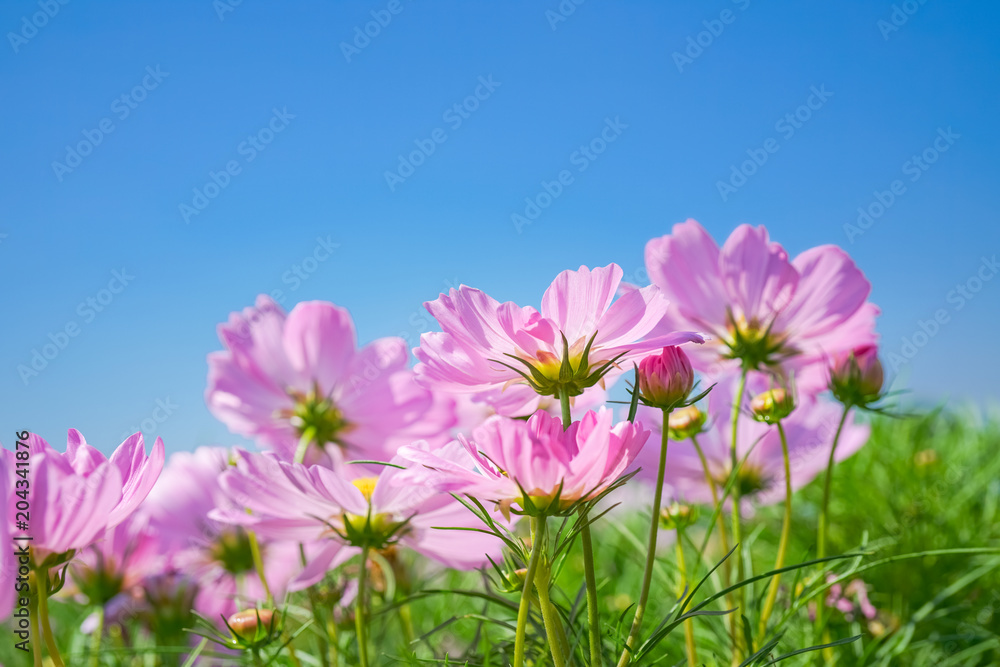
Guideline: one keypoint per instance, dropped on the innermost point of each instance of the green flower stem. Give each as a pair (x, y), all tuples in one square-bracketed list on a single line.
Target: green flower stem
[(723, 539), (95, 640), (359, 612), (36, 647), (329, 641), (567, 417), (293, 657), (821, 534), (331, 633), (654, 525), (406, 622), (558, 644), (593, 612), (786, 531), (305, 440), (258, 563), (523, 609), (736, 625), (42, 574), (689, 646)]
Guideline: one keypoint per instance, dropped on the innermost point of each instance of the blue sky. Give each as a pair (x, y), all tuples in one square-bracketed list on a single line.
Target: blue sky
[(203, 151)]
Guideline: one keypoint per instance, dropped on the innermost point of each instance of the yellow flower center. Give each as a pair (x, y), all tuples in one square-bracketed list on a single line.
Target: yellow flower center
[(366, 485)]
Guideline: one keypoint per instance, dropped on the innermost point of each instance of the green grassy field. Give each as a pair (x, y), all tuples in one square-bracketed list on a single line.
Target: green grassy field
[(922, 484)]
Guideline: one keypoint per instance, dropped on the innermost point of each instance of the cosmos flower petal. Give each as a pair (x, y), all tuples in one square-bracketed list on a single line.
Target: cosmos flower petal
[(757, 275)]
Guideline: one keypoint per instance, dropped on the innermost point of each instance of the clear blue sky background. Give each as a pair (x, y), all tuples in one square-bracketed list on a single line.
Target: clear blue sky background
[(450, 222)]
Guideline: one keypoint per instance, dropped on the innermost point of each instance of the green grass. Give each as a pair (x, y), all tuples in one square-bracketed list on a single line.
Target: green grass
[(921, 484)]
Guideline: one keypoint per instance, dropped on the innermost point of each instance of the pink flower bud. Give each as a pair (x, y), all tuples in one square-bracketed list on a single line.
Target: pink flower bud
[(665, 379), (252, 624), (686, 422), (772, 405), (856, 378)]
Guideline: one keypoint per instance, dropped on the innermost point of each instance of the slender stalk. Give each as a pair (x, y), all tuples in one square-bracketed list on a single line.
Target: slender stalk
[(256, 658), (293, 657), (303, 447), (359, 612), (786, 531), (736, 623), (95, 640), (406, 622), (331, 633), (522, 610), (593, 611), (712, 486), (567, 417), (35, 645), (193, 657), (42, 574), (258, 563), (721, 522), (821, 535), (323, 643), (689, 646), (647, 575), (558, 645)]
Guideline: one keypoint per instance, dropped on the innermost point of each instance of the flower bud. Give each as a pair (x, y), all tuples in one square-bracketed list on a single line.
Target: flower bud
[(252, 625), (678, 515), (685, 423), (773, 405), (665, 379), (514, 580), (856, 378)]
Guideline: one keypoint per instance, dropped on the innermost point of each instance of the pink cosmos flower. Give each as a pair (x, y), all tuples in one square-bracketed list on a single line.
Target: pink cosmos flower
[(510, 461), (809, 429), (283, 379), (348, 508), (486, 345), (760, 307), (107, 572), (77, 496), (216, 556)]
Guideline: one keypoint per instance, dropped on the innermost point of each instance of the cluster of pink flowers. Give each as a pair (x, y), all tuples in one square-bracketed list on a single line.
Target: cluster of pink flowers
[(363, 453)]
